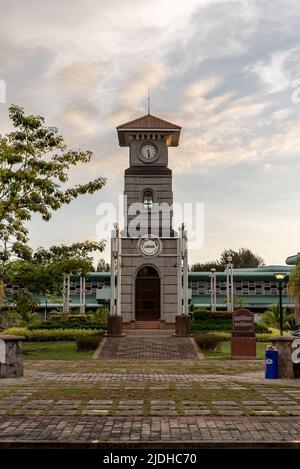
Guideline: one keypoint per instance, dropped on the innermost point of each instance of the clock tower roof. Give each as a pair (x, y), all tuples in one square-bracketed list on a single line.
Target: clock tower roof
[(148, 123)]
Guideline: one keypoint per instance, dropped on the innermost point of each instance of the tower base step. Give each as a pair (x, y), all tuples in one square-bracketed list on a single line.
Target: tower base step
[(148, 325)]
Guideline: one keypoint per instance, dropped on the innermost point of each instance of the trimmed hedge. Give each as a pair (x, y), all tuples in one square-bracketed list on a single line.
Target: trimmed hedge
[(222, 325), (67, 325), (207, 341), (200, 315), (89, 342), (210, 325), (42, 335), (226, 336), (263, 337)]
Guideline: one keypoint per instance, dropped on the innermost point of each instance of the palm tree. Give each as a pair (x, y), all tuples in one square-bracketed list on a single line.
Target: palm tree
[(294, 289), (271, 318), (26, 318), (25, 304)]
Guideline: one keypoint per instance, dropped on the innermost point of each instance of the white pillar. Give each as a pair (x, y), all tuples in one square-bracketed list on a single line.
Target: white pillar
[(112, 273), (215, 291), (66, 293), (81, 293), (179, 276), (118, 239), (185, 271), (227, 289), (229, 285), (213, 288), (232, 288)]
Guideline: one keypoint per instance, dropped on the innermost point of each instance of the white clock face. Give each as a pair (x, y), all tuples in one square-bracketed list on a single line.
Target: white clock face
[(148, 152)]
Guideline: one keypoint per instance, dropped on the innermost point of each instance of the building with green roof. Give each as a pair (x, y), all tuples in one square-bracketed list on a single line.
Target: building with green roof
[(254, 288)]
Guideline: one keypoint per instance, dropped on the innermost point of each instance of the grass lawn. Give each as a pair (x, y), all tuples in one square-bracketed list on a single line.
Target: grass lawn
[(223, 351), (57, 350)]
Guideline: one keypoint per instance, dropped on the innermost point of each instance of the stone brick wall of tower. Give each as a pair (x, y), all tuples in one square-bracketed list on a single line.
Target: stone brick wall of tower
[(161, 187), (165, 263)]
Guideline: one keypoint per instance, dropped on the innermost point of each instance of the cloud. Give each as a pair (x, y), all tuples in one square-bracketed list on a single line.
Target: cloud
[(80, 77), (278, 71), (132, 97), (220, 68), (201, 88), (79, 118)]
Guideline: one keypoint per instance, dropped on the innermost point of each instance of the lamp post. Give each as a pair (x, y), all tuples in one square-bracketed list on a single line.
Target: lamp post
[(280, 278)]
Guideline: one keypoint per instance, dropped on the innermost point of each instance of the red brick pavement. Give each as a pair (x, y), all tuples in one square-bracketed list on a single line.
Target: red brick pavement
[(151, 346)]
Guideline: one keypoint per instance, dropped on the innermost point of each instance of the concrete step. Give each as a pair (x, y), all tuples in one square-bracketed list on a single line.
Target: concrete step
[(147, 325)]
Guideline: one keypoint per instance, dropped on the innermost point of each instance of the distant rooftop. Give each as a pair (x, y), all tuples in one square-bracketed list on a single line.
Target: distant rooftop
[(149, 123)]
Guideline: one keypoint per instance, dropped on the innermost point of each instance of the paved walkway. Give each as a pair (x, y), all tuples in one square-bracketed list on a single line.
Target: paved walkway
[(143, 429), (168, 398), (166, 401), (154, 345)]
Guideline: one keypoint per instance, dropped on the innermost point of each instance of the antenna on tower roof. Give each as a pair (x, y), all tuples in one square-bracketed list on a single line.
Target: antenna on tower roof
[(148, 102)]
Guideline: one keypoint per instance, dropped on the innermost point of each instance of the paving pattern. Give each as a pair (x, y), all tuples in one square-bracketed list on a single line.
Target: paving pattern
[(139, 429), (82, 401), (160, 345), (197, 398)]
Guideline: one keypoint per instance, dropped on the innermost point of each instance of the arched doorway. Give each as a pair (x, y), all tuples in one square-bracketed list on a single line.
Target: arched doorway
[(147, 294)]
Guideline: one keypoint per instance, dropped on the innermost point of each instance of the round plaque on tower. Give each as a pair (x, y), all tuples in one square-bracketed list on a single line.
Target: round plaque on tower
[(149, 247)]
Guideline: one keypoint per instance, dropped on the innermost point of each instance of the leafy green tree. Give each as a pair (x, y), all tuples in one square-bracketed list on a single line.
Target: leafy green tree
[(242, 258), (34, 167), (206, 266), (271, 318), (103, 266), (43, 273)]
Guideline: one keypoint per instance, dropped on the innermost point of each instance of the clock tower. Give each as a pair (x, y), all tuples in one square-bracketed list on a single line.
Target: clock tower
[(147, 278)]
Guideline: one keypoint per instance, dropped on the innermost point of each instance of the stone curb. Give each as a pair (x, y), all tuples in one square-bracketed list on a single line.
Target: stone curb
[(97, 352), (194, 344)]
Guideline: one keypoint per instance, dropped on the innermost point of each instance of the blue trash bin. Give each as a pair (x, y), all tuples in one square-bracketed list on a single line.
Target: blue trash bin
[(271, 370)]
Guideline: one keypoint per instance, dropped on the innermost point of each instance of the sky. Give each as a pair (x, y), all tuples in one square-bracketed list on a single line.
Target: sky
[(228, 72)]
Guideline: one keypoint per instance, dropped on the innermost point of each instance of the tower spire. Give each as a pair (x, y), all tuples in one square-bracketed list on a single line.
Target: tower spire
[(148, 102)]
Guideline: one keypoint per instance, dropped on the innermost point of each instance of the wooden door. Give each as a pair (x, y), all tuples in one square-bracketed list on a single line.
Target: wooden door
[(147, 298)]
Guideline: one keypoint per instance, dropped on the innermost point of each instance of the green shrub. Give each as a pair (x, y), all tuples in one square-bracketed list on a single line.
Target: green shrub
[(259, 327), (204, 315), (8, 318), (89, 342), (210, 325), (54, 317), (271, 318), (67, 325), (100, 315), (79, 318), (263, 337), (44, 335), (207, 341)]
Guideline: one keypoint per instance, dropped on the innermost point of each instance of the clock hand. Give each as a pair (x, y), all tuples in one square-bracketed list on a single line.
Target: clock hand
[(148, 153)]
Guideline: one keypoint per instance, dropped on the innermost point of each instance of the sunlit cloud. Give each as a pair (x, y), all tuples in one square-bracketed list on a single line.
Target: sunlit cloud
[(222, 69)]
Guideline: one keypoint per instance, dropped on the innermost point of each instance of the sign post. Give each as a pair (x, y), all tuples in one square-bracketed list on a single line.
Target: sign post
[(243, 341)]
